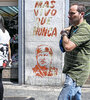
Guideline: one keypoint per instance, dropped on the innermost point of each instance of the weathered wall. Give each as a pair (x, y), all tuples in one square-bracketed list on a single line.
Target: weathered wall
[(81, 0), (85, 2), (43, 60)]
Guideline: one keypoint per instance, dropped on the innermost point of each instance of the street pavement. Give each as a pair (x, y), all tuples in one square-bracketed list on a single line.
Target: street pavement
[(27, 92)]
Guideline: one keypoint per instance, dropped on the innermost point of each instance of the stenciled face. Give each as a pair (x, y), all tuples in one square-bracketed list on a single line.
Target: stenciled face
[(74, 15), (44, 59)]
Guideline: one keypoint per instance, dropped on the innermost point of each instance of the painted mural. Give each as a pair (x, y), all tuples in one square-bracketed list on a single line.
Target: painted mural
[(44, 11), (43, 60), (44, 55)]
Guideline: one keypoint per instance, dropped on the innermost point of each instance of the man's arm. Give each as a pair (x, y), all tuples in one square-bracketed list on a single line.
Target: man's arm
[(67, 44), (9, 52)]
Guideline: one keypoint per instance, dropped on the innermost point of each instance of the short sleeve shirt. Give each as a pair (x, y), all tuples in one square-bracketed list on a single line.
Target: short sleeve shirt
[(4, 42), (77, 61)]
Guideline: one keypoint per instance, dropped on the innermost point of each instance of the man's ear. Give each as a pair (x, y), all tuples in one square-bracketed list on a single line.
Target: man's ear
[(82, 14)]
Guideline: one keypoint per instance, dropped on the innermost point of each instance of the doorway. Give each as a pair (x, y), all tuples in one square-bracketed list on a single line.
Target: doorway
[(87, 15), (9, 11)]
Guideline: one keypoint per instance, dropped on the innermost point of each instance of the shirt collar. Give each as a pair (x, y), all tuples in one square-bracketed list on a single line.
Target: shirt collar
[(81, 23)]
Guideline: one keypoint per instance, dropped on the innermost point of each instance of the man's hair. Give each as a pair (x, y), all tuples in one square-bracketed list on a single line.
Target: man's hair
[(2, 24), (80, 7), (44, 48)]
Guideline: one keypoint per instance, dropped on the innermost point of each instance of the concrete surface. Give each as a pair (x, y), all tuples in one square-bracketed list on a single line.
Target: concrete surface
[(26, 92)]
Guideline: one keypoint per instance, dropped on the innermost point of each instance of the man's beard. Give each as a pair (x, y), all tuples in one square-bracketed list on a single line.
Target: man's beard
[(74, 21)]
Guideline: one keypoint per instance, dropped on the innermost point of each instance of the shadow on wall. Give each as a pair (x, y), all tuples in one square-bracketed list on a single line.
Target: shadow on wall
[(18, 98), (31, 98)]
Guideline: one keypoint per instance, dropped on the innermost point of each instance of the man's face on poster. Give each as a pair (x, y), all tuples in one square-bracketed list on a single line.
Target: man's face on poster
[(44, 59)]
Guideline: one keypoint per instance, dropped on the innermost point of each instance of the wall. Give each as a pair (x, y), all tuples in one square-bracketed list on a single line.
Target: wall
[(43, 59), (8, 2), (85, 2)]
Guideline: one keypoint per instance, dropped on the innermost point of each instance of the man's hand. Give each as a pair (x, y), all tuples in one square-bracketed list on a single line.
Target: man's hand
[(10, 60), (66, 30), (64, 33), (67, 44)]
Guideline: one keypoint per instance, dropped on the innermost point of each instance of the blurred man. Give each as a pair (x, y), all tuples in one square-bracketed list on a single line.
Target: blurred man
[(5, 51)]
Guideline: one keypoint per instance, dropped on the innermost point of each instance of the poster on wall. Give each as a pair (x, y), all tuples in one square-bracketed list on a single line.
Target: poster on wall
[(43, 60)]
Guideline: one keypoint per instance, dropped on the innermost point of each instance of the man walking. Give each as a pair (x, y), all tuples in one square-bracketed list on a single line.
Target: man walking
[(77, 54)]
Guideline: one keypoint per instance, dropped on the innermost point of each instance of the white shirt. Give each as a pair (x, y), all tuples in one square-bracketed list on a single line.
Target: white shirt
[(4, 42)]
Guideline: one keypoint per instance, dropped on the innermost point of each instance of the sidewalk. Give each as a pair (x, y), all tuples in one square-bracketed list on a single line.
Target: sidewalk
[(26, 92)]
